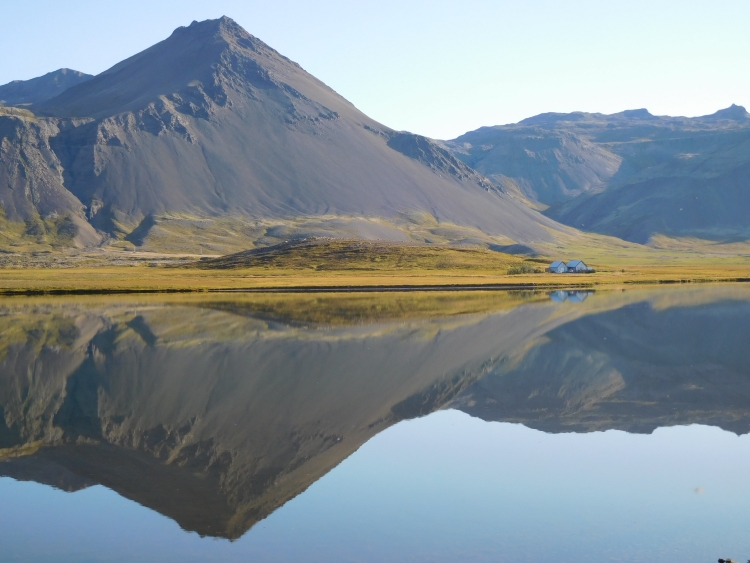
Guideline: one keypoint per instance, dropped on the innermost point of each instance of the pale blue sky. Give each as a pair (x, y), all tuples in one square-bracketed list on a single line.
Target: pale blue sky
[(439, 67)]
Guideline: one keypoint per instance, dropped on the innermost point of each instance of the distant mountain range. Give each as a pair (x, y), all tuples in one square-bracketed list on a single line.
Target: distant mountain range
[(212, 135), (632, 175)]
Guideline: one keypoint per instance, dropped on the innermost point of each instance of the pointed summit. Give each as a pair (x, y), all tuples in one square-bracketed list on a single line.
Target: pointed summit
[(199, 63), (224, 27)]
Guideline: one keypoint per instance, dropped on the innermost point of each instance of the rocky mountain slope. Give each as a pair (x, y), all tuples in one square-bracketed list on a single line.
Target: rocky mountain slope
[(41, 89), (212, 122), (632, 175)]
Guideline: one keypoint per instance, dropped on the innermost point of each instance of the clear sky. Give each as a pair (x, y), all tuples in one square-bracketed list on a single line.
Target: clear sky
[(438, 67)]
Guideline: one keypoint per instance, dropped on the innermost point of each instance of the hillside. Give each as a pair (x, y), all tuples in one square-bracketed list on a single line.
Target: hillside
[(212, 123), (352, 255), (631, 175)]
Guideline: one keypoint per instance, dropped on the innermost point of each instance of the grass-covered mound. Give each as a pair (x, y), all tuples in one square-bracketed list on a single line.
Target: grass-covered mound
[(341, 255)]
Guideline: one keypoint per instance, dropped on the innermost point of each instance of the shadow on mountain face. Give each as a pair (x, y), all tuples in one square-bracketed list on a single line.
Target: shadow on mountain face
[(215, 419)]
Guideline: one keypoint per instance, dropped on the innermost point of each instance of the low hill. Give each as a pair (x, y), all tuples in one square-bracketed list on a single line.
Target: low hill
[(342, 255)]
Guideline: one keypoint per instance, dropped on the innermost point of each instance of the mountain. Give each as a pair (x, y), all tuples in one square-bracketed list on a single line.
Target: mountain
[(41, 89), (213, 123), (632, 175), (733, 112)]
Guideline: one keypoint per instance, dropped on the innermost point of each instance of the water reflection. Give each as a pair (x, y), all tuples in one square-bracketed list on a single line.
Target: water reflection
[(216, 411), (574, 296)]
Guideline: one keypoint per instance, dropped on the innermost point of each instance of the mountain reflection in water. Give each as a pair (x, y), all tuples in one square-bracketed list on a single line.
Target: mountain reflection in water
[(216, 411)]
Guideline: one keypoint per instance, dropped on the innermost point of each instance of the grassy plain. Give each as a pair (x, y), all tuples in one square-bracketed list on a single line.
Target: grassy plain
[(351, 264)]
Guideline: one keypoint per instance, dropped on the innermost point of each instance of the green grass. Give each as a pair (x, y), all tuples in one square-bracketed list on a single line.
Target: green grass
[(36, 234), (324, 255), (343, 263)]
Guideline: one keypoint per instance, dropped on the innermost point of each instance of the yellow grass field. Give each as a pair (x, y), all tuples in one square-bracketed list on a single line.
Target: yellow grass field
[(347, 264)]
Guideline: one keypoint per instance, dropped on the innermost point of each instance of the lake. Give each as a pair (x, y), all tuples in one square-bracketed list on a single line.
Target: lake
[(567, 426)]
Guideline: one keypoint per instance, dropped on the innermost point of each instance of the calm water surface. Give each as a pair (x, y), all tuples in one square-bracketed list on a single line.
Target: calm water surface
[(608, 426)]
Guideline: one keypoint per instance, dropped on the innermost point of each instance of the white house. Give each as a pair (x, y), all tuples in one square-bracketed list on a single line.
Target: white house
[(577, 266), (558, 267)]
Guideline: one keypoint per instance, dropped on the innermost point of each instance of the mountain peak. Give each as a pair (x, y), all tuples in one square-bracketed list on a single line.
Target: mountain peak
[(642, 113), (37, 90), (733, 112), (222, 25), (201, 60), (223, 29)]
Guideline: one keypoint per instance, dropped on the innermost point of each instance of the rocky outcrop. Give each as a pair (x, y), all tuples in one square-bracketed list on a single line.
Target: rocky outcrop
[(32, 184)]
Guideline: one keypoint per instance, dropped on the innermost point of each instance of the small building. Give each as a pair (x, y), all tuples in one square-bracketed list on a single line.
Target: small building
[(558, 267), (577, 267)]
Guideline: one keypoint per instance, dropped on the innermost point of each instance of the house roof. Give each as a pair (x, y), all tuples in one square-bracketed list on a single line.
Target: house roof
[(574, 263), (557, 263)]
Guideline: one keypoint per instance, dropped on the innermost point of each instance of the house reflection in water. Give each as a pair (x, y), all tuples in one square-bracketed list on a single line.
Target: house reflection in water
[(573, 296)]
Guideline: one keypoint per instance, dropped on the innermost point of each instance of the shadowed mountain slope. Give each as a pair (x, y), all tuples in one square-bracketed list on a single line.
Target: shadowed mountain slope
[(632, 175), (41, 89), (213, 122)]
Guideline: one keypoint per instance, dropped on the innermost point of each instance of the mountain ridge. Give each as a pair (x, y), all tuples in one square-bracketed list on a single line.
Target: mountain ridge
[(631, 174)]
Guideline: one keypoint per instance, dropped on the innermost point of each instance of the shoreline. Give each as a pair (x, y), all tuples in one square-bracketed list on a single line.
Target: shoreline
[(364, 288)]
